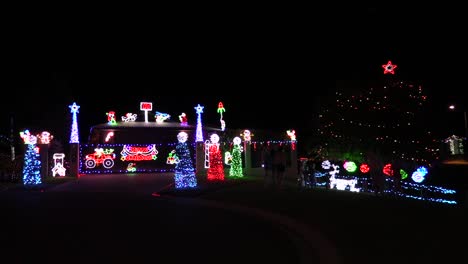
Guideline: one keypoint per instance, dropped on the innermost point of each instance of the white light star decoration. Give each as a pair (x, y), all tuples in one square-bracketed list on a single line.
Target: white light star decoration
[(199, 133)]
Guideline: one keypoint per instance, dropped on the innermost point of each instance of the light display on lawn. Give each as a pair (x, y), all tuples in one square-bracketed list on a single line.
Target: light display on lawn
[(350, 166), (236, 160), (129, 117), (199, 133), (364, 168), (44, 137), (216, 166), (74, 136), (58, 168), (419, 175), (139, 153), (389, 68), (111, 118), (184, 175), (221, 110), (32, 162), (146, 107)]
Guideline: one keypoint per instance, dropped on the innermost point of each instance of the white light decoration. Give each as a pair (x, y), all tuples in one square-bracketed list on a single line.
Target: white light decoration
[(199, 135), (326, 164), (58, 165), (342, 184), (129, 117), (109, 136), (227, 158), (146, 107), (45, 137), (74, 136), (292, 134), (237, 140), (182, 137)]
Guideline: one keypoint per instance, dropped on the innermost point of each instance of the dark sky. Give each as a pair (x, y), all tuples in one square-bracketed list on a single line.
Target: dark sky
[(269, 72)]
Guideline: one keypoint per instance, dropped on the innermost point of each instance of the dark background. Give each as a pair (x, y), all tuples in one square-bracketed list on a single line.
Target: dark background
[(271, 70)]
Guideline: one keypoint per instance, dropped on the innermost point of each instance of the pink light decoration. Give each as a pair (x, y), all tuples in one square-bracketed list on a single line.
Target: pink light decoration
[(389, 68), (109, 136)]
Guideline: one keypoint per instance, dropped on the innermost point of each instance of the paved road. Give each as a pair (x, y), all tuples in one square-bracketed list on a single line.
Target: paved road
[(122, 219)]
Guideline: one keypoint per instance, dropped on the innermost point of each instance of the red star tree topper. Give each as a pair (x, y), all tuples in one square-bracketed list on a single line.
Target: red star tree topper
[(389, 68)]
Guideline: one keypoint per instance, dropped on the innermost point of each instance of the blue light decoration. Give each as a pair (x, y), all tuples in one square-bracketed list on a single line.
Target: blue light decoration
[(419, 174), (236, 162), (32, 162), (74, 137), (184, 175), (199, 135)]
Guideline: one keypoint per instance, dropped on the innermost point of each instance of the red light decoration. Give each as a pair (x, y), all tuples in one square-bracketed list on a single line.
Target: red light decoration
[(364, 168), (389, 68), (387, 169)]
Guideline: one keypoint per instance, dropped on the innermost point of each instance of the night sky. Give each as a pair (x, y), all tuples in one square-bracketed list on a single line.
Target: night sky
[(241, 64)]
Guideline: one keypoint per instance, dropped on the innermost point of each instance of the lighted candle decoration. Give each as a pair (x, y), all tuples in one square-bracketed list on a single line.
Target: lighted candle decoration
[(58, 164), (199, 133), (146, 107), (129, 117), (32, 162), (74, 137), (221, 110)]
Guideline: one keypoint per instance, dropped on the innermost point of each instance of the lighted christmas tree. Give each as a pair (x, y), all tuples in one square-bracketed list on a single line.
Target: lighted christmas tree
[(199, 135), (236, 162), (216, 169), (184, 170), (386, 116), (32, 161), (74, 136)]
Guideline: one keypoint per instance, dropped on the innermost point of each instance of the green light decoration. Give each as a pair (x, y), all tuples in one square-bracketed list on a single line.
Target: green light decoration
[(403, 174), (350, 166)]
